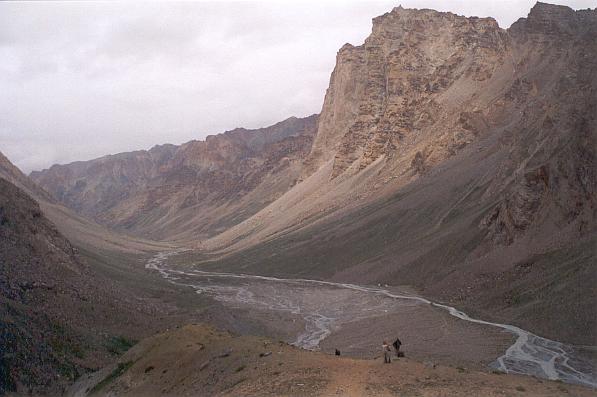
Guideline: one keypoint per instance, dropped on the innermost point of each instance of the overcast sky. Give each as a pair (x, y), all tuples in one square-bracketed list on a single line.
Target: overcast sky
[(79, 80)]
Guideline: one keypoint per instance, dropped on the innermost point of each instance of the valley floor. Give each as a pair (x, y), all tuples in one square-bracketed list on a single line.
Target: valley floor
[(326, 315)]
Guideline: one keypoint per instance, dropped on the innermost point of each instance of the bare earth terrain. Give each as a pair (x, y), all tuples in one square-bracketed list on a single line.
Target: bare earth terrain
[(199, 360)]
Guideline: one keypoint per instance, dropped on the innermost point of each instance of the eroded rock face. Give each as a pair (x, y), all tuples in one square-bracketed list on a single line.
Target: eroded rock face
[(426, 84), (549, 179), (547, 22), (386, 93)]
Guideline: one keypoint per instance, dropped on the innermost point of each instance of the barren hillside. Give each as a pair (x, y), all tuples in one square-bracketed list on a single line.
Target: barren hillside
[(52, 308), (197, 360)]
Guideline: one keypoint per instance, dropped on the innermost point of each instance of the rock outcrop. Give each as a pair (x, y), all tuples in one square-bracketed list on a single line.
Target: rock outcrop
[(425, 84), (406, 80), (549, 180)]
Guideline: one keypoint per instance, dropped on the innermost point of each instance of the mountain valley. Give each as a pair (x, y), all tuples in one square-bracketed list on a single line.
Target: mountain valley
[(453, 162)]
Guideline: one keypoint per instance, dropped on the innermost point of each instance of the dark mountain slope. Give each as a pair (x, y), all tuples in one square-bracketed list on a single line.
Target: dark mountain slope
[(65, 311), (14, 175), (37, 266), (47, 299)]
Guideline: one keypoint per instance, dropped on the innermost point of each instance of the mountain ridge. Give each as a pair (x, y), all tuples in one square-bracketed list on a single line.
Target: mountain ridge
[(150, 184)]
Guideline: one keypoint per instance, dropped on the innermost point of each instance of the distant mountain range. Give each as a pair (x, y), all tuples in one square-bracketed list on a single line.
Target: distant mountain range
[(193, 190)]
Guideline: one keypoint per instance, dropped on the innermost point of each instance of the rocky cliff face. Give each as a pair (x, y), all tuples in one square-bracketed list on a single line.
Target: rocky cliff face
[(548, 182), (426, 84), (415, 73), (171, 190)]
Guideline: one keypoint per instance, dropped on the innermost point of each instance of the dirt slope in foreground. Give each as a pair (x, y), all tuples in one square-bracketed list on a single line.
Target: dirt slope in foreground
[(197, 360)]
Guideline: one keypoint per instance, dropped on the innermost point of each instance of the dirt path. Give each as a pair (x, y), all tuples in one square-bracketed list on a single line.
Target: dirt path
[(348, 378)]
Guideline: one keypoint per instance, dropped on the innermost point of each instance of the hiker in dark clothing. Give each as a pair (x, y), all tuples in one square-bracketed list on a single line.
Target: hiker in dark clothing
[(397, 345)]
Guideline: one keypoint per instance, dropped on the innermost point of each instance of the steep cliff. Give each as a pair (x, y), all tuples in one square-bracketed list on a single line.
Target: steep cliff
[(418, 70)]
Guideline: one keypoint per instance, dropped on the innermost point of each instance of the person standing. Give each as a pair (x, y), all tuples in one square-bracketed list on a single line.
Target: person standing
[(397, 345), (387, 352)]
